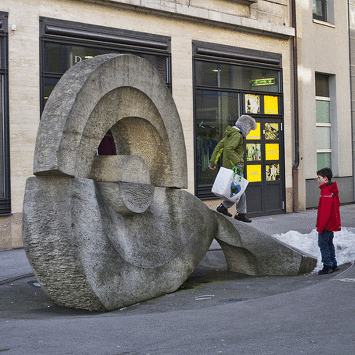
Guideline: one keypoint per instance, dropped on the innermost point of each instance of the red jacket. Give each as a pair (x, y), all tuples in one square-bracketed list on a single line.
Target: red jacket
[(328, 216)]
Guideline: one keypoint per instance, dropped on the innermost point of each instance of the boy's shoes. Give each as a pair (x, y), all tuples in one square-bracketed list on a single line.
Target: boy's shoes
[(326, 270), (242, 217), (223, 210)]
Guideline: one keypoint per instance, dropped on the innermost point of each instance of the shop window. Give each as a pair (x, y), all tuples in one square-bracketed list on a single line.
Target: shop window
[(5, 203), (214, 112), (66, 43), (236, 77), (323, 122)]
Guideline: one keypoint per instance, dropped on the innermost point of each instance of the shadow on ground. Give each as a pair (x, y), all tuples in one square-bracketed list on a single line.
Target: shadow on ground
[(24, 298)]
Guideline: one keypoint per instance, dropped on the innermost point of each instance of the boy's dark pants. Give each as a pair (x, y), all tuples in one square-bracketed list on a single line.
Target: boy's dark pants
[(325, 243)]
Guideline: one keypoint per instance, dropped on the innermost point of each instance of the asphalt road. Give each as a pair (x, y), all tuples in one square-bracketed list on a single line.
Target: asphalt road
[(214, 312)]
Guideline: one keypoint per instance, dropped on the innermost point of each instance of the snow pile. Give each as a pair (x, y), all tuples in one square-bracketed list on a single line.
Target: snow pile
[(344, 242)]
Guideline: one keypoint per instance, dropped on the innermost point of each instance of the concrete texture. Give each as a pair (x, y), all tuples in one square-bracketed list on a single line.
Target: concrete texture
[(110, 168), (249, 251), (87, 254), (248, 15)]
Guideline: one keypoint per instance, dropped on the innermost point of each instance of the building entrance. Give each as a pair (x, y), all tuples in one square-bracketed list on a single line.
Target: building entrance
[(225, 88)]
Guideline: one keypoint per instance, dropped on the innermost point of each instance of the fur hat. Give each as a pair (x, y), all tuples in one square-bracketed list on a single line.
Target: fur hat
[(247, 123)]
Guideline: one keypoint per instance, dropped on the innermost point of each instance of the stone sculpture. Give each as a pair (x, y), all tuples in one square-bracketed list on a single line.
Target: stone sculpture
[(104, 232)]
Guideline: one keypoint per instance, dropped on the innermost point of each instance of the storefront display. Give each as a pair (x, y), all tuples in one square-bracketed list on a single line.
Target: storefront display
[(224, 91)]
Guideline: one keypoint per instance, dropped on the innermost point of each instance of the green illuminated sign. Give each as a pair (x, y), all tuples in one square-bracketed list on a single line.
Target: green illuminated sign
[(263, 82)]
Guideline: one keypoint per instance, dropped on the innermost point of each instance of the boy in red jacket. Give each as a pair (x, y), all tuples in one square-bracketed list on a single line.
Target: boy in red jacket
[(328, 220)]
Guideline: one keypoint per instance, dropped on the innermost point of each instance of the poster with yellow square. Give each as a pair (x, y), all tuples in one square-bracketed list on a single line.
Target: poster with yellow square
[(254, 173), (271, 105), (272, 151), (254, 133)]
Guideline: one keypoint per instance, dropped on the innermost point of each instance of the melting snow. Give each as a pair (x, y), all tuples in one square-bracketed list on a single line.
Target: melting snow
[(344, 242)]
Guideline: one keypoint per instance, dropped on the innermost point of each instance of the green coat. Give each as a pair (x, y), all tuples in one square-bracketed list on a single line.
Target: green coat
[(232, 146)]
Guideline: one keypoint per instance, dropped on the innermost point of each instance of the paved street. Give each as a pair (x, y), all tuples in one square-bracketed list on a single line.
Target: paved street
[(215, 312)]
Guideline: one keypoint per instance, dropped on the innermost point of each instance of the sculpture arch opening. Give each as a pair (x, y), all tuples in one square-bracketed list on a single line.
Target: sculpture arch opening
[(91, 98)]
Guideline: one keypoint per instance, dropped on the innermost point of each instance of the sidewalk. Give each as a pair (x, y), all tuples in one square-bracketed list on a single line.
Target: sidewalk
[(14, 265), (214, 312)]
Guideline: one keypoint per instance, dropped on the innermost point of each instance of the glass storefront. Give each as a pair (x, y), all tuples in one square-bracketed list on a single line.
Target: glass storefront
[(224, 90), (65, 43)]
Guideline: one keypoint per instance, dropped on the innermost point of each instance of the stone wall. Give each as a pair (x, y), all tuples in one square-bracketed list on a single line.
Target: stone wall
[(224, 12)]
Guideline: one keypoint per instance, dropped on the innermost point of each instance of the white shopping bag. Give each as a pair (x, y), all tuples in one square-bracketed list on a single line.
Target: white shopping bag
[(228, 185)]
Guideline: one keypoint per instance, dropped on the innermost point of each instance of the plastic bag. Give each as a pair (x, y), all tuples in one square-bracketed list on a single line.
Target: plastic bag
[(229, 185)]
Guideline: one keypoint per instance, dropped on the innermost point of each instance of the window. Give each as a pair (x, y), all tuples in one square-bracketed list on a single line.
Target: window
[(5, 204), (323, 10), (323, 122), (319, 8), (67, 43)]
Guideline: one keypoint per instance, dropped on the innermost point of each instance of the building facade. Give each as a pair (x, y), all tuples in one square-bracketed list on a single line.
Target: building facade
[(324, 97), (220, 58)]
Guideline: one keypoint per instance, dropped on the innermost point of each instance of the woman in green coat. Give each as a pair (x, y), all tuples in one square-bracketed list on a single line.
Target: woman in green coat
[(231, 147)]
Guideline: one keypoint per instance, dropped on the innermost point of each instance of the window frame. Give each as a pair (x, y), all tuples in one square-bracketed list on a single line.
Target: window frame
[(325, 124), (328, 17), (324, 10), (5, 200), (222, 54), (83, 34)]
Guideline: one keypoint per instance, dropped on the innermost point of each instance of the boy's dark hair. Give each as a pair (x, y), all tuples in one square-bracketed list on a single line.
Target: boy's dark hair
[(325, 172)]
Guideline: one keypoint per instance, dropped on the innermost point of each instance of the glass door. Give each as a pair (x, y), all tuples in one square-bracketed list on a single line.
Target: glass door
[(264, 156)]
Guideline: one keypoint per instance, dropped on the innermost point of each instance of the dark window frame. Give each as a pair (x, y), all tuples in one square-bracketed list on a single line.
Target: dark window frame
[(100, 37), (5, 201), (324, 16)]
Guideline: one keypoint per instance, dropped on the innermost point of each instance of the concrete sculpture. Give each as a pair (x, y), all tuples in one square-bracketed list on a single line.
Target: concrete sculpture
[(103, 232)]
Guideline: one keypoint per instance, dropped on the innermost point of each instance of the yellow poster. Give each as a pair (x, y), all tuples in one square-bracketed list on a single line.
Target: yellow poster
[(254, 173), (272, 151), (255, 133), (271, 105)]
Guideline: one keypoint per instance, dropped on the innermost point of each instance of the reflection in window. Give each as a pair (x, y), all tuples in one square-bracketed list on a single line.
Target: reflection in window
[(214, 112), (319, 9), (236, 77), (323, 122), (60, 57)]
